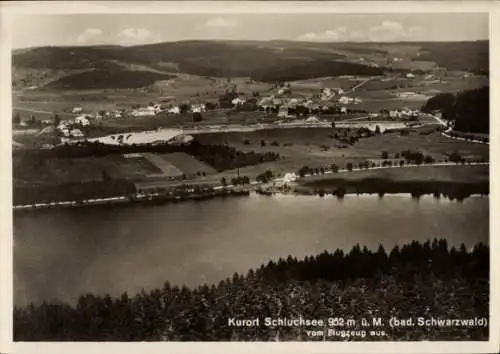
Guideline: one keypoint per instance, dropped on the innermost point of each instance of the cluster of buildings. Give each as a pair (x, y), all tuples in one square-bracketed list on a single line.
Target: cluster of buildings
[(400, 113), (328, 99), (153, 110)]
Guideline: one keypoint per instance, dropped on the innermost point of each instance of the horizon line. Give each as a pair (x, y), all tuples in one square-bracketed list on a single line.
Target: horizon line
[(243, 40)]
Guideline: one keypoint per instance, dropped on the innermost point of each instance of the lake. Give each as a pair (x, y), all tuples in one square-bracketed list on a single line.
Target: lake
[(63, 253)]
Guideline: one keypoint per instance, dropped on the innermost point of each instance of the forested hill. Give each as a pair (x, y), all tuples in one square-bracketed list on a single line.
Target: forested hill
[(262, 60), (418, 279), (469, 109)]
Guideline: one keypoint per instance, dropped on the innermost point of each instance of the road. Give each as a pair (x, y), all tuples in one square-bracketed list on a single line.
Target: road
[(447, 132), (359, 85)]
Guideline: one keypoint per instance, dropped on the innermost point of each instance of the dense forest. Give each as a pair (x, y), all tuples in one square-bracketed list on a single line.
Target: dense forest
[(107, 79), (416, 279), (291, 71), (469, 109), (467, 56)]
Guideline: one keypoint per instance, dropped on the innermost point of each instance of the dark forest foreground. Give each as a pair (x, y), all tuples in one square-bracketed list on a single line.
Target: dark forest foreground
[(427, 280)]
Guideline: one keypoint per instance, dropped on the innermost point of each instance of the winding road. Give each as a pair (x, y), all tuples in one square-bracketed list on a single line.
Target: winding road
[(447, 132)]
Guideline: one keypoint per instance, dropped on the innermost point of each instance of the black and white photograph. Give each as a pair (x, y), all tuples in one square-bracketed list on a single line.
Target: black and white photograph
[(250, 177)]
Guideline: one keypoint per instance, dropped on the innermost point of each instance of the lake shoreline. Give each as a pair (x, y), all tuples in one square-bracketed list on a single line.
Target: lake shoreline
[(452, 191), (145, 199)]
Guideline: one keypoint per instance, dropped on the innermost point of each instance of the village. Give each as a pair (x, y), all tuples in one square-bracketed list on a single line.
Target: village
[(281, 106)]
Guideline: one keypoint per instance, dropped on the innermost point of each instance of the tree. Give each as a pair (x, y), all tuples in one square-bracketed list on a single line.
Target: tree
[(262, 143), (184, 108), (349, 166), (377, 129), (33, 119), (197, 117), (334, 168), (57, 119), (385, 155), (223, 181), (428, 159), (455, 157), (333, 124)]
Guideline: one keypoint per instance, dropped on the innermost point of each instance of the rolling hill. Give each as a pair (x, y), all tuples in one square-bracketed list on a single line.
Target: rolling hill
[(263, 61)]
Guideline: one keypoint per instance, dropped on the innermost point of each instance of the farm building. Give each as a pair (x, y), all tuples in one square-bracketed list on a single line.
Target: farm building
[(238, 101), (290, 177), (345, 100), (198, 108), (144, 112), (77, 133), (174, 110), (82, 120), (46, 121), (410, 76)]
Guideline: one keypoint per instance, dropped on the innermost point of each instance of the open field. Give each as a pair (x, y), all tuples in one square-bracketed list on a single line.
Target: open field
[(186, 163), (454, 181), (465, 174), (56, 171), (317, 147), (166, 168)]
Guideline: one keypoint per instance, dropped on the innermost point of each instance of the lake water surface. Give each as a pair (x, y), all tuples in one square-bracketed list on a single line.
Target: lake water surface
[(61, 254)]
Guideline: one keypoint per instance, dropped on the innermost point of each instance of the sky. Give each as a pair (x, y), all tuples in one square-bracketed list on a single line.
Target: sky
[(135, 29)]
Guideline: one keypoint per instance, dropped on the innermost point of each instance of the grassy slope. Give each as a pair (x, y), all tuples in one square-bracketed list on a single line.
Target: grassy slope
[(300, 147)]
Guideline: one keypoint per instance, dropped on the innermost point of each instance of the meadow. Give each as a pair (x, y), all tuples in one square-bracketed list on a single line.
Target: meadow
[(318, 147)]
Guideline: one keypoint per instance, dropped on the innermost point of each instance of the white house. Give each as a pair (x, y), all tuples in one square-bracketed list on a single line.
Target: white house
[(77, 110), (410, 76), (345, 100), (395, 114), (174, 110), (237, 101), (343, 109), (199, 108), (82, 120), (62, 126), (289, 177), (46, 121), (64, 131), (76, 133)]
